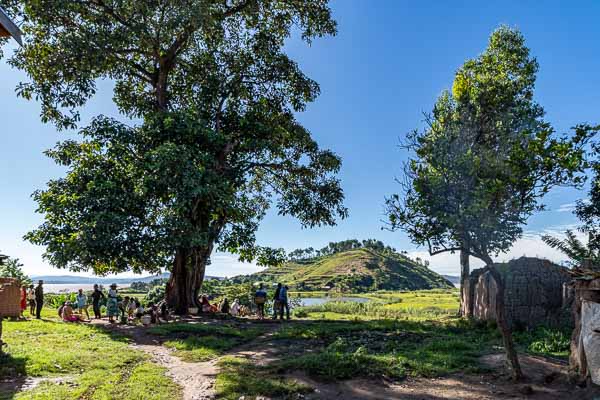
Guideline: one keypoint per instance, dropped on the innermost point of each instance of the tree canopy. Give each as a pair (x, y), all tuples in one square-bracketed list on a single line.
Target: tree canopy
[(13, 268), (486, 158), (208, 138), (483, 163)]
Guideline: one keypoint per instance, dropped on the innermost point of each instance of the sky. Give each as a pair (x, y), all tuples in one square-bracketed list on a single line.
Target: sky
[(384, 69)]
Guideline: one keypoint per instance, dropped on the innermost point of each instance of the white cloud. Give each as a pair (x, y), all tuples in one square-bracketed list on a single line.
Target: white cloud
[(567, 207), (530, 245)]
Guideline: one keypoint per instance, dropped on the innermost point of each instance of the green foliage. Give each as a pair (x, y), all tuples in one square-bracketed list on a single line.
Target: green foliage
[(155, 295), (206, 142), (55, 300), (486, 158), (12, 268), (546, 342), (574, 248)]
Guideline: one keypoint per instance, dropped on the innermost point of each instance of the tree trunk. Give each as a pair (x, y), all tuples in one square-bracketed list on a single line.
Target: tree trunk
[(186, 280), (466, 305), (509, 346)]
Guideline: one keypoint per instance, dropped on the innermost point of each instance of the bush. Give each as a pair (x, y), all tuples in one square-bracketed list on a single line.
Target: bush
[(155, 295)]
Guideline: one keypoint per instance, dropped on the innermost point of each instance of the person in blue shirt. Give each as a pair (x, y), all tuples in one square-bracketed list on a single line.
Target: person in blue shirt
[(283, 302), (260, 298), (82, 305)]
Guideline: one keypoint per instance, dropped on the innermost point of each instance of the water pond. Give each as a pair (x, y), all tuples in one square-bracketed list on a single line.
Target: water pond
[(315, 301)]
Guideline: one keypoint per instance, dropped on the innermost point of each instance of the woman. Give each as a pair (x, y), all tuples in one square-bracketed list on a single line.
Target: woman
[(82, 305), (68, 315), (31, 300), (112, 305), (206, 306), (23, 300)]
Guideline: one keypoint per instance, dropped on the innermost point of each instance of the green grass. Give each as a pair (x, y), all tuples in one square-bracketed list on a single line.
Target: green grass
[(240, 378), (202, 342), (98, 364), (421, 305), (393, 349)]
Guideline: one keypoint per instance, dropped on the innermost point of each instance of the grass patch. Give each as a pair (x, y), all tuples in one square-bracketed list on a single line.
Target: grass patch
[(545, 342), (95, 363), (389, 348), (203, 342), (240, 378), (204, 348)]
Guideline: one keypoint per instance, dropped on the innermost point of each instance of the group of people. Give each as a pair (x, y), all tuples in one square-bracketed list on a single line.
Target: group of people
[(33, 298), (280, 301)]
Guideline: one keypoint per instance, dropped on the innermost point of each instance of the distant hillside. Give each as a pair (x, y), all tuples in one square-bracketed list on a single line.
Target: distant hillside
[(454, 279), (355, 270), (73, 279)]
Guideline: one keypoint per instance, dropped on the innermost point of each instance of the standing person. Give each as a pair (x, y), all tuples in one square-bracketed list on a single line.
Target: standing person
[(82, 303), (260, 298), (112, 306), (39, 299), (31, 300), (97, 295), (283, 301), (276, 302), (23, 300)]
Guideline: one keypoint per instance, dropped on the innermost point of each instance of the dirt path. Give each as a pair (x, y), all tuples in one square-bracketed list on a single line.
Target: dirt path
[(196, 379)]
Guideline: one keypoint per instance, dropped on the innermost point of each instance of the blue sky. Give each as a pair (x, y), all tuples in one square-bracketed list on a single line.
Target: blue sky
[(388, 63)]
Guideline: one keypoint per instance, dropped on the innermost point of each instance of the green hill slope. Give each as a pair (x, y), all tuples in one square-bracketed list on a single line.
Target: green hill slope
[(356, 270)]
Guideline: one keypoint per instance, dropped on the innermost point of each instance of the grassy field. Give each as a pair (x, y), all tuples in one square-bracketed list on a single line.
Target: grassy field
[(395, 335), (91, 363)]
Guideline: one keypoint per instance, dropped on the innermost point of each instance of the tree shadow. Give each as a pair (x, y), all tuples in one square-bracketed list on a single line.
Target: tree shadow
[(12, 375)]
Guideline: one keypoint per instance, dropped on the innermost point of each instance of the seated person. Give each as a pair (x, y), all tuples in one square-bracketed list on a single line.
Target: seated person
[(131, 309), (224, 306), (68, 315), (235, 308), (139, 310), (207, 307), (164, 310)]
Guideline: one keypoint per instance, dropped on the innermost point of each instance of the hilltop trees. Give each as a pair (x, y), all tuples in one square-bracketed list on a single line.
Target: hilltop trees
[(338, 247), (207, 138), (483, 163)]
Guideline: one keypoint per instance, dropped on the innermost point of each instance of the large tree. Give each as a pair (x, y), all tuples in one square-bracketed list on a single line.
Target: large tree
[(482, 164), (207, 141)]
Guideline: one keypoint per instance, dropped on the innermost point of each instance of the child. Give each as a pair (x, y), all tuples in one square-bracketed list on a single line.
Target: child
[(131, 309), (139, 310)]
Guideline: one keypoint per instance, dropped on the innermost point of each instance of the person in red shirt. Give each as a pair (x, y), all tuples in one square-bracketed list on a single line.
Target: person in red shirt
[(23, 300)]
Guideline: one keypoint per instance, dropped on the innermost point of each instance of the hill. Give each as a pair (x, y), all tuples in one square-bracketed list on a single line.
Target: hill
[(357, 270)]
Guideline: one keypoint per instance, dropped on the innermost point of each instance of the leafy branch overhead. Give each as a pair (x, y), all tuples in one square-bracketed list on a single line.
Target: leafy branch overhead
[(207, 140)]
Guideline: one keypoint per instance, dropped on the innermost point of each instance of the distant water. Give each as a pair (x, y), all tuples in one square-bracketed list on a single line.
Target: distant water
[(72, 287), (315, 301)]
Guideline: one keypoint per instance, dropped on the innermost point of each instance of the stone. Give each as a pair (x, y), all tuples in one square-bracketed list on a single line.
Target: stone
[(590, 338)]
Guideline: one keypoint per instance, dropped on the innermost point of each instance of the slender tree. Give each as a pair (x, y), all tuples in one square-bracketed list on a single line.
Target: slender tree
[(207, 140), (482, 165)]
